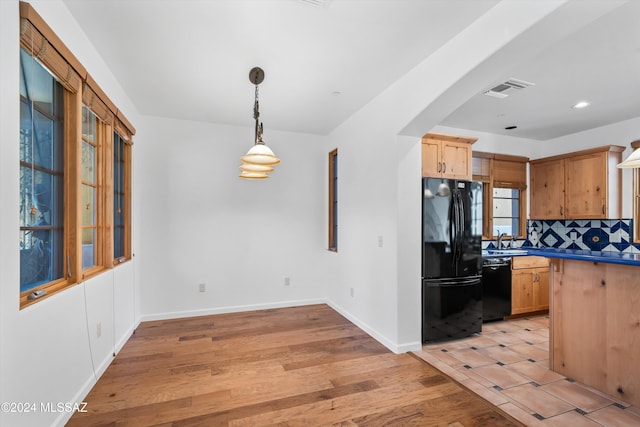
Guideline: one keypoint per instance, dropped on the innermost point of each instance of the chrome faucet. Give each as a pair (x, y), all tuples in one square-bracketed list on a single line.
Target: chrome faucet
[(499, 242)]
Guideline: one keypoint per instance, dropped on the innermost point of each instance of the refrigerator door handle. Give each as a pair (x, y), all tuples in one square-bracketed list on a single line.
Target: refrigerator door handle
[(459, 226), (452, 229), (454, 238), (470, 280)]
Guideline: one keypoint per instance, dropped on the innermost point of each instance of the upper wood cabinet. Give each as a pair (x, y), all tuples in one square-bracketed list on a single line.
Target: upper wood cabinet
[(580, 185), (547, 189), (446, 156)]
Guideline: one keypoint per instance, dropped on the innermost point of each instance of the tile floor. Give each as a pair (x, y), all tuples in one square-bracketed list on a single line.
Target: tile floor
[(508, 364)]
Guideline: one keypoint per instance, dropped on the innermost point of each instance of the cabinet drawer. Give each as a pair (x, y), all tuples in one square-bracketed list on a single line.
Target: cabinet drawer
[(520, 262)]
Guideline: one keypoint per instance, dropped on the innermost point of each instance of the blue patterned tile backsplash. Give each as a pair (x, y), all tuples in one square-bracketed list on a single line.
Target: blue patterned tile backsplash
[(608, 235)]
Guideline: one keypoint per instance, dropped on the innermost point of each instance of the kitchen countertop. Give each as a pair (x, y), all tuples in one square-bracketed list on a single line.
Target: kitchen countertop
[(573, 254)]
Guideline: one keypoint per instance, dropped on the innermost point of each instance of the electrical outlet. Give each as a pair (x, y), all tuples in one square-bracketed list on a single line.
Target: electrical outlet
[(351, 292), (287, 281), (99, 329), (202, 287)]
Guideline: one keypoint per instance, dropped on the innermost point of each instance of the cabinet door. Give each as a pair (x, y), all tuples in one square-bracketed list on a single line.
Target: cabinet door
[(547, 190), (586, 186), (456, 160), (431, 162), (578, 323), (521, 291), (541, 289)]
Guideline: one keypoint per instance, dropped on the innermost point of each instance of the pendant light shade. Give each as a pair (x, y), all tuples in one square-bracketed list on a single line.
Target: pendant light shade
[(253, 175), (259, 160), (633, 161), (249, 167), (260, 154)]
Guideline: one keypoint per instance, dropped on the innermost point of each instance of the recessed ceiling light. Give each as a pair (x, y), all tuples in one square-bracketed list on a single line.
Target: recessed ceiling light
[(581, 104)]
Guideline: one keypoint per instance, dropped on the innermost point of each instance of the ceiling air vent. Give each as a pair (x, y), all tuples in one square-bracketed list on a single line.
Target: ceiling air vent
[(503, 89)]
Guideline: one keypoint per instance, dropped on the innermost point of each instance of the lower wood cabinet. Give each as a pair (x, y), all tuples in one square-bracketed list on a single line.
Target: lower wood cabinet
[(595, 326), (529, 284)]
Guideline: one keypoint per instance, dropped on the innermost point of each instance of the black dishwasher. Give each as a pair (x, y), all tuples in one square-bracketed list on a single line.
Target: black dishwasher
[(496, 288)]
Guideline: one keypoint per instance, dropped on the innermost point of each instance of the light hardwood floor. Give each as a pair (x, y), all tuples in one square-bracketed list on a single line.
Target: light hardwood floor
[(300, 366)]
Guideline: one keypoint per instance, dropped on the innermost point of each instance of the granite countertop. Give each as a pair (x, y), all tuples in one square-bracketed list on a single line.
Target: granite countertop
[(573, 254)]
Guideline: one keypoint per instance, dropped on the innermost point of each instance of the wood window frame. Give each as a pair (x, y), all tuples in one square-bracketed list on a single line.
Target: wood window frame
[(636, 197), (500, 171), (333, 201), (80, 89), (126, 194)]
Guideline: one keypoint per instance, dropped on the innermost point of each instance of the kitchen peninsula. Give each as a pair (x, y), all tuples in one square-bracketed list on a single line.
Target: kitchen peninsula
[(595, 319)]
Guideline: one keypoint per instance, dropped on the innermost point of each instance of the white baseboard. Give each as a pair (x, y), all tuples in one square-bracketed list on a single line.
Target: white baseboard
[(64, 416), (381, 338), (229, 309)]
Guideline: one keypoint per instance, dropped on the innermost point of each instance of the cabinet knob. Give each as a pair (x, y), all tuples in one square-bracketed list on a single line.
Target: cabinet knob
[(561, 210), (444, 167), (439, 166)]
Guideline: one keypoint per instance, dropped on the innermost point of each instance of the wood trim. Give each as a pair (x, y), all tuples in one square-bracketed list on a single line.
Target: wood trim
[(446, 137), (497, 156), (124, 127), (28, 13), (73, 185), (95, 99), (128, 201), (107, 196), (612, 148)]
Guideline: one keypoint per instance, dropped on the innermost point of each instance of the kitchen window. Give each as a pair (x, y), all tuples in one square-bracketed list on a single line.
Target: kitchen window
[(504, 184), (69, 223), (506, 211)]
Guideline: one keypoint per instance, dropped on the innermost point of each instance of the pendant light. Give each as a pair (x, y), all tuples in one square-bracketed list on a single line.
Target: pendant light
[(259, 160), (633, 161)]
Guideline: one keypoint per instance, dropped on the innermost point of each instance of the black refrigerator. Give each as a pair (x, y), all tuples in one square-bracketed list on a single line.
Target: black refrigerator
[(451, 259)]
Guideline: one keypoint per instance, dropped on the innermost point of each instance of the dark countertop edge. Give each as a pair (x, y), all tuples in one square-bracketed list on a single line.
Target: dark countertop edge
[(589, 256)]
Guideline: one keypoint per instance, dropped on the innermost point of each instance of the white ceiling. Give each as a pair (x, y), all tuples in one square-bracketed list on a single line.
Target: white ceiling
[(190, 59)]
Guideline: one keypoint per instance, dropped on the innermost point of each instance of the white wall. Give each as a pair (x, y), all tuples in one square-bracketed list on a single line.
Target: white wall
[(200, 223), (379, 177), (50, 352)]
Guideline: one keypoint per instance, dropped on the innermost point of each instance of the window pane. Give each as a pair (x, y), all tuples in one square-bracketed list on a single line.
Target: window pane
[(118, 196), (88, 163), (88, 205), (506, 193), (88, 246), (41, 176), (88, 125), (506, 211), (37, 83)]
